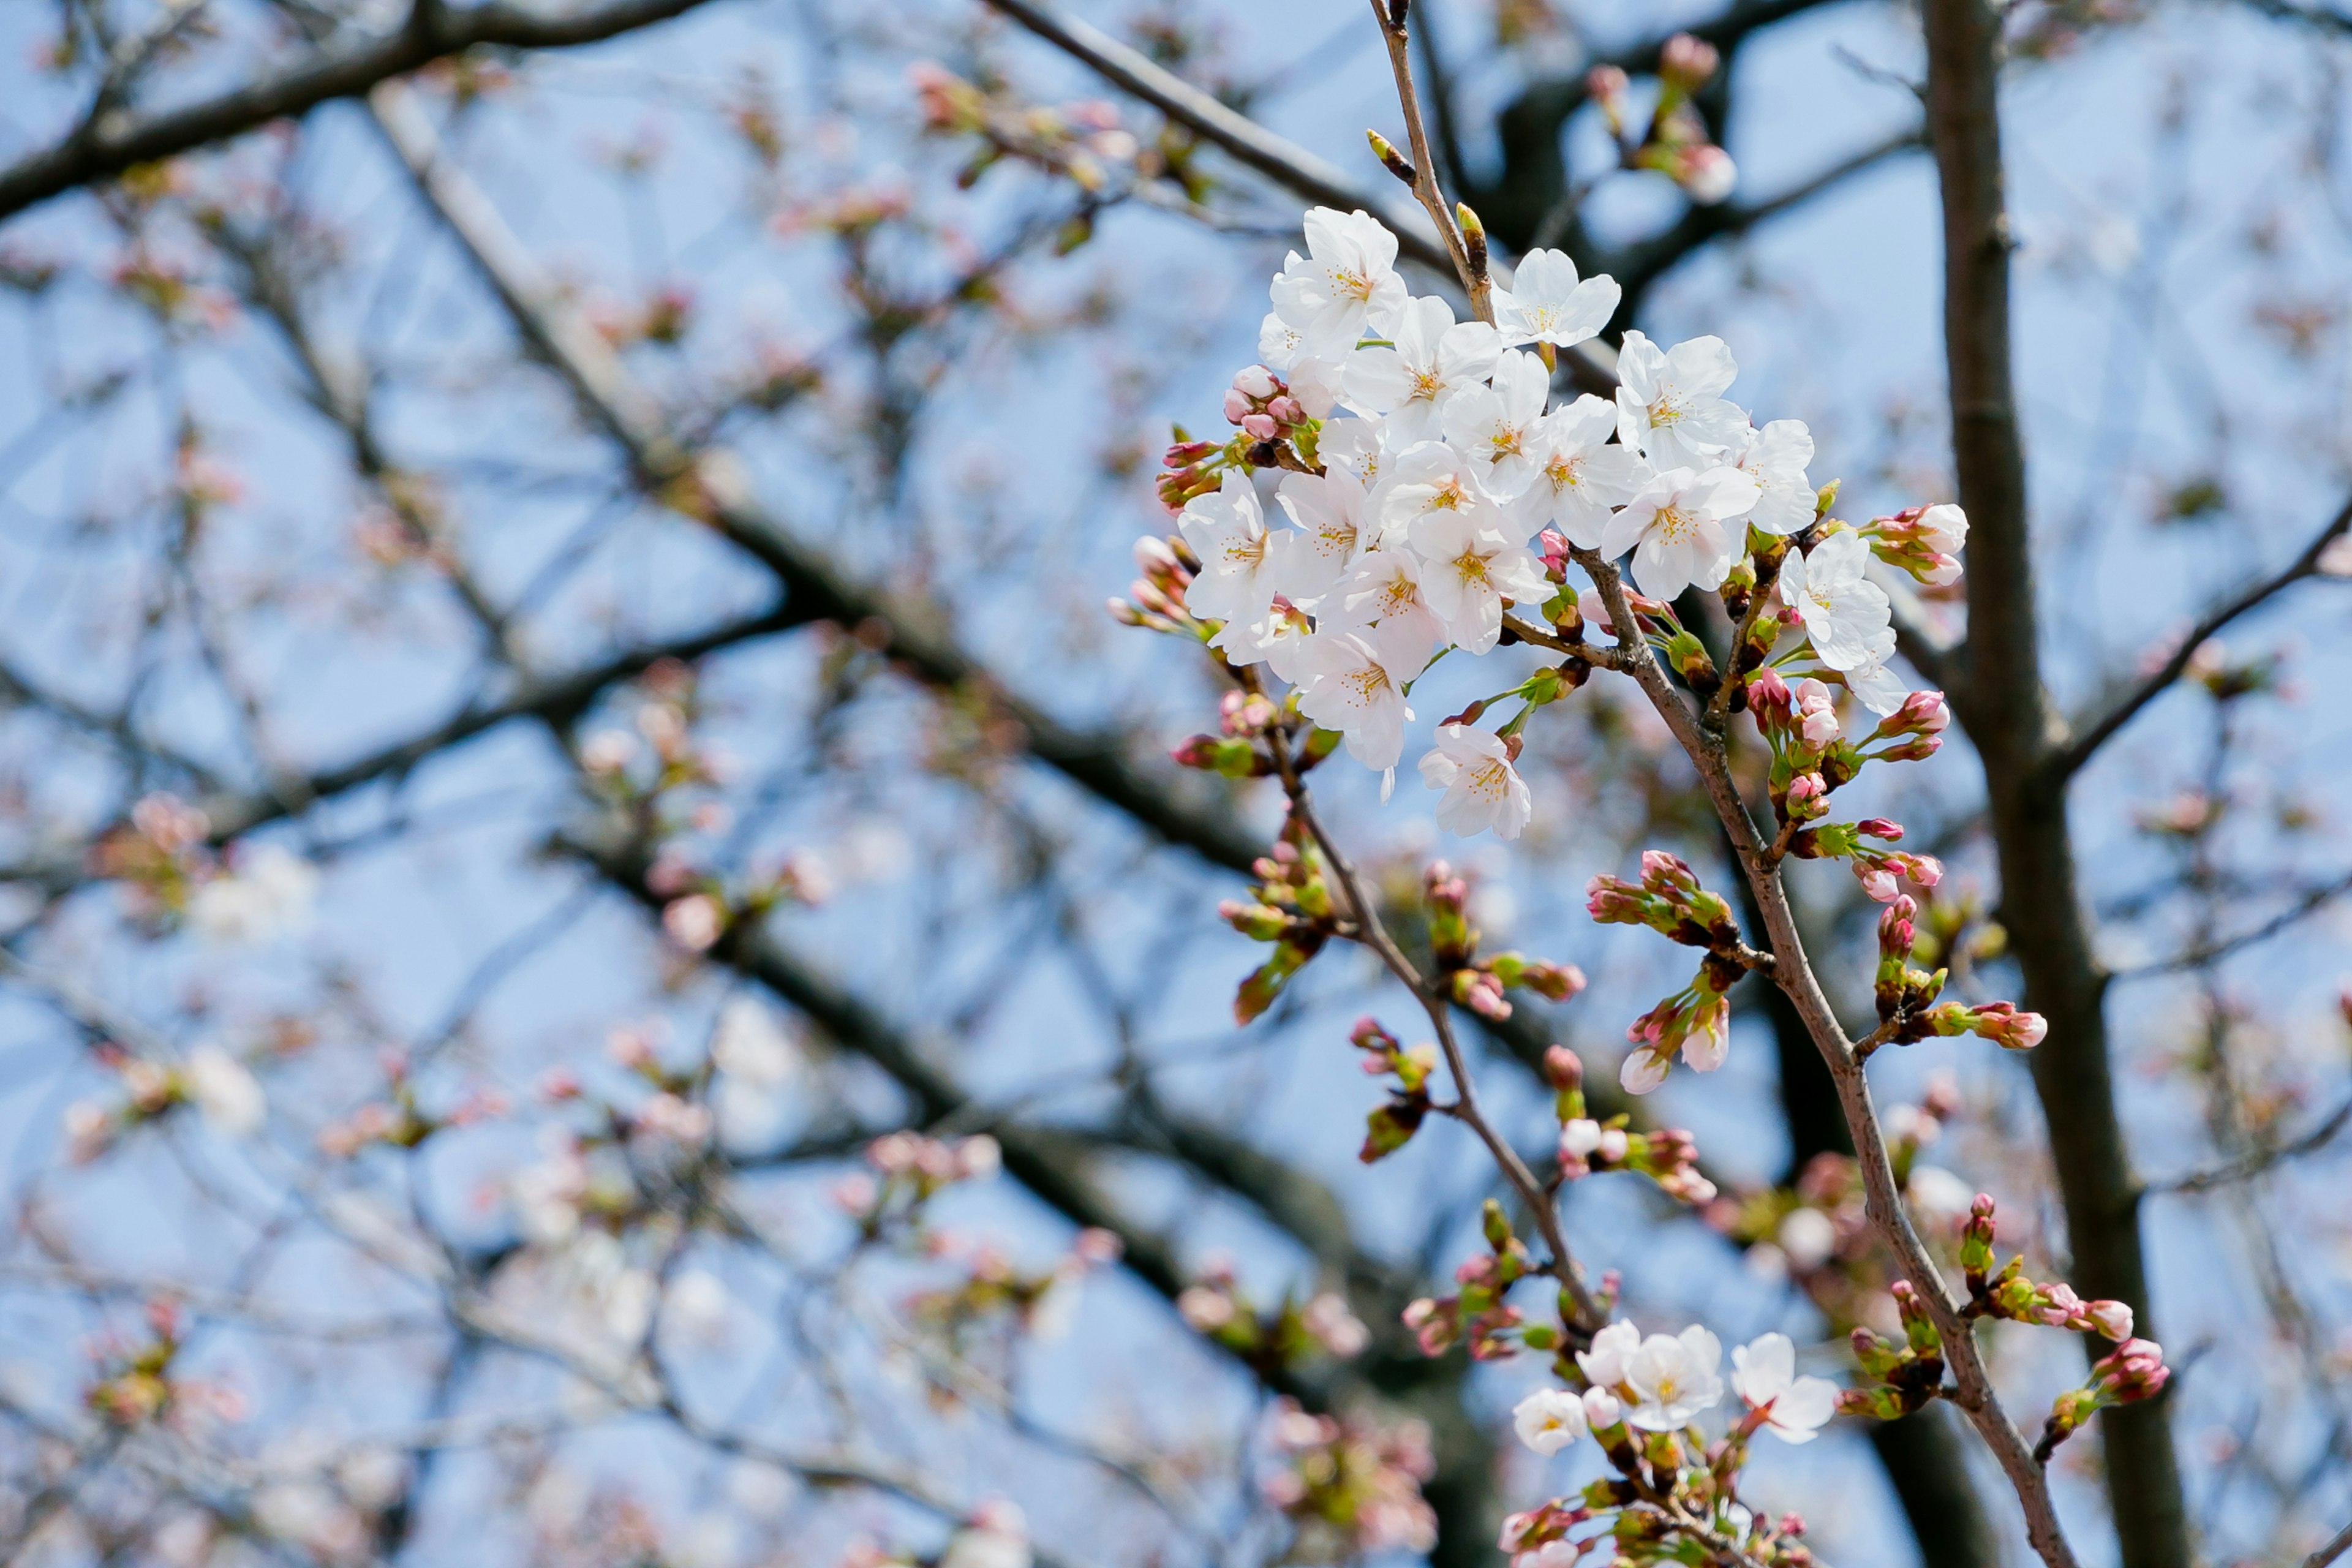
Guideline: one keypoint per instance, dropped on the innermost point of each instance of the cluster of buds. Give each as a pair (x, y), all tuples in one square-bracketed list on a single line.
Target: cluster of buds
[(1477, 1313), (1290, 906), (2008, 1293), (1668, 899), (1472, 982), (1261, 404), (1245, 719), (1904, 993), (1352, 1488), (1042, 1301), (161, 854), (1913, 732), (399, 1122), (1668, 1156), (1676, 141), (1296, 1332), (910, 1169), (1903, 1376), (2133, 1372), (661, 317), (1923, 541), (2002, 1023), (136, 1386), (1881, 872), (1694, 1021), (1156, 598), (1390, 1126), (1081, 141)]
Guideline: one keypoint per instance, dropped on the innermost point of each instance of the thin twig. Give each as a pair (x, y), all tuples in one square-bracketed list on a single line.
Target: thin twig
[(2120, 709)]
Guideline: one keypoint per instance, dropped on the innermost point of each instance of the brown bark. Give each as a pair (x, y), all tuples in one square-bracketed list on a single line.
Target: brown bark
[(2003, 705)]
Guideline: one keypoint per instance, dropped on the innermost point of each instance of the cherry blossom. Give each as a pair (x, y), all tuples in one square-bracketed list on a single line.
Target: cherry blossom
[(228, 1095), (1430, 477), (1470, 568), (1330, 513), (1612, 1355), (1580, 476), (1845, 613), (1546, 303), (1675, 1378), (1669, 402), (1548, 1420), (1764, 1376), (1482, 790), (1432, 359), (1226, 530), (1775, 457), (1496, 425), (1675, 528), (1345, 285), (1354, 682), (1384, 589)]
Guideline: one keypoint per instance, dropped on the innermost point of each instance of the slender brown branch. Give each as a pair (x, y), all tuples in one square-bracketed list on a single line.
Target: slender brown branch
[(2261, 1160), (1364, 915), (2120, 708), (112, 142), (1425, 190), (2337, 1545)]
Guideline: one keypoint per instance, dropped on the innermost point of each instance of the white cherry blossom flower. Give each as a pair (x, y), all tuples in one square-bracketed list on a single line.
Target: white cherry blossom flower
[(1356, 448), (1494, 427), (1764, 1376), (1845, 613), (1278, 636), (229, 1096), (1546, 303), (1469, 568), (270, 894), (1354, 682), (1429, 477), (1346, 284), (1580, 477), (1330, 512), (1676, 1378), (1675, 527), (1432, 358), (1775, 457), (1384, 589), (1612, 1355), (1877, 687), (1237, 580), (1548, 1420), (1670, 401), (1482, 790)]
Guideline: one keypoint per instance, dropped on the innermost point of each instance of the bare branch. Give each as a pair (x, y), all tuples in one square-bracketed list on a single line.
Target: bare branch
[(2261, 1160), (2120, 708), (113, 141)]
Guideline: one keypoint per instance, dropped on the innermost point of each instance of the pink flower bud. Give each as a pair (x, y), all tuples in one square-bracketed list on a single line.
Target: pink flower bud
[(1603, 1409), (1613, 1144), (1256, 383), (2113, 1318), (1562, 1068), (1260, 426), (1286, 410), (1237, 407), (1708, 173)]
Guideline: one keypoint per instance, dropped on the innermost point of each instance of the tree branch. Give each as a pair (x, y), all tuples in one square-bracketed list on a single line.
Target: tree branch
[(115, 141), (2008, 720), (2119, 707)]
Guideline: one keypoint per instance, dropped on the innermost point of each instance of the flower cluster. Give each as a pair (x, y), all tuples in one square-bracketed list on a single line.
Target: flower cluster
[(1640, 1400), (1294, 1332), (1352, 1487), (1450, 493)]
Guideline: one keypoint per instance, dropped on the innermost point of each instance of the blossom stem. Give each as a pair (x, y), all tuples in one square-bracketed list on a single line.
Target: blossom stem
[(1364, 917)]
